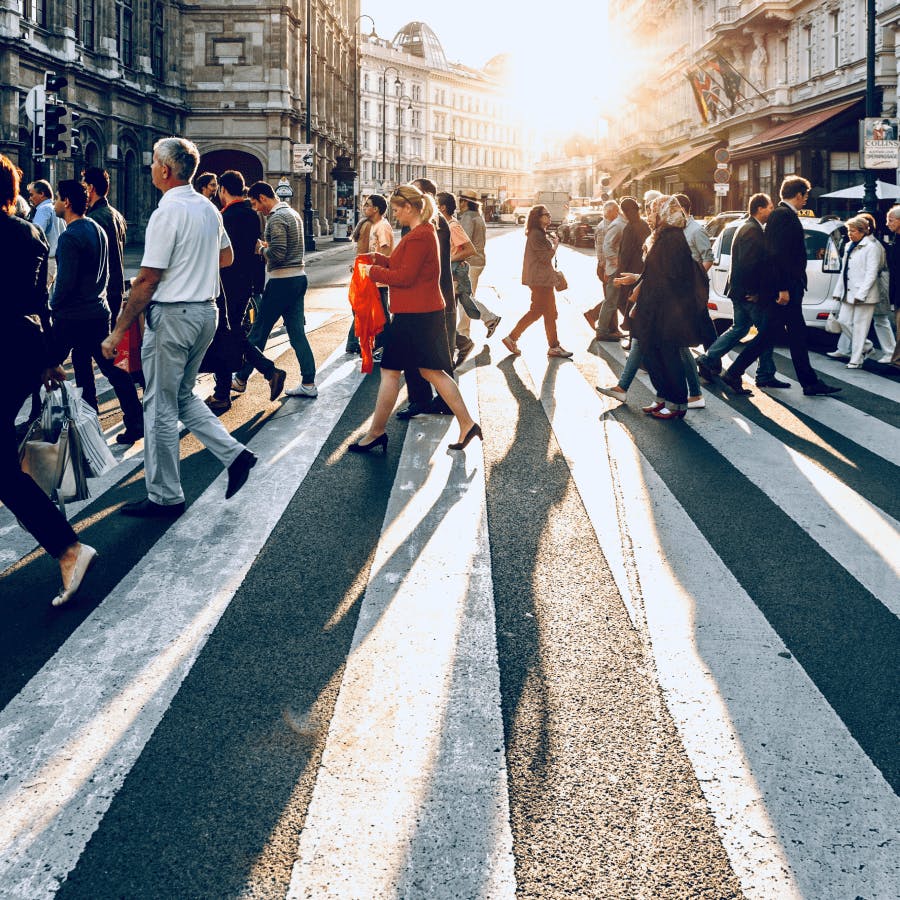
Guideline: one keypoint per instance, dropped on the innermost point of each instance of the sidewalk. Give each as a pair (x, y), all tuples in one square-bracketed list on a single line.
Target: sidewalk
[(326, 247)]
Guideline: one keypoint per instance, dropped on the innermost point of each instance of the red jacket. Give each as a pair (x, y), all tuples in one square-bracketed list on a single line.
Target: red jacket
[(412, 271)]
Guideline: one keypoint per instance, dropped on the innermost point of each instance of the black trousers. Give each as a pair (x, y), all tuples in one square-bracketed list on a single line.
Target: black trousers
[(235, 308), (82, 338), (18, 492), (666, 370)]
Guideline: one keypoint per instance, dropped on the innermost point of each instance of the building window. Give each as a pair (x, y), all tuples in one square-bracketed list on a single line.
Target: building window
[(785, 60), (35, 11), (834, 20), (366, 81), (84, 23), (157, 40), (806, 52), (125, 31)]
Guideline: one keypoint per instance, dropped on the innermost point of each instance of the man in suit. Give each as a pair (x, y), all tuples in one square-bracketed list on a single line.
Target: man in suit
[(785, 247), (746, 282)]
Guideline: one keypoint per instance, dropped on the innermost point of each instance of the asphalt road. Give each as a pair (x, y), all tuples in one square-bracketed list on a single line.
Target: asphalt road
[(596, 656)]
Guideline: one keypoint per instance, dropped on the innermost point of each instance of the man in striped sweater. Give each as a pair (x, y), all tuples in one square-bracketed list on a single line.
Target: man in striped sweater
[(285, 287)]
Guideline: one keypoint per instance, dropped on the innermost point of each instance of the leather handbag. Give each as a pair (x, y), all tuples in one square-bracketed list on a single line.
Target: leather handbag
[(559, 280)]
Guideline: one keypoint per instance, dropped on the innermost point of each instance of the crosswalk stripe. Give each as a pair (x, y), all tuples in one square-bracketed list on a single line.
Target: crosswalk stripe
[(93, 706), (859, 378), (742, 703), (856, 533), (418, 713)]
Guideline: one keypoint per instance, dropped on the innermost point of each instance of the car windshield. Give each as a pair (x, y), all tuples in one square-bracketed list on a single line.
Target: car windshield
[(593, 218), (816, 242)]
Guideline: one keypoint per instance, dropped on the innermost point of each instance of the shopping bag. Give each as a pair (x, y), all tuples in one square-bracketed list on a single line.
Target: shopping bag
[(128, 353), (84, 421)]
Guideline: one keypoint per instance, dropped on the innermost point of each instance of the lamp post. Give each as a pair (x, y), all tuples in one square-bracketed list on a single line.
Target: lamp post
[(384, 121), (452, 139), (356, 102), (309, 242), (399, 124), (870, 198)]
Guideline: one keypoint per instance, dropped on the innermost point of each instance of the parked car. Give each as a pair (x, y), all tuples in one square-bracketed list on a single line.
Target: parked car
[(715, 225), (579, 226), (825, 239)]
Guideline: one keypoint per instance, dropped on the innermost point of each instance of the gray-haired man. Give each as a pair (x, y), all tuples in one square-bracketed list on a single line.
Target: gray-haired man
[(185, 245)]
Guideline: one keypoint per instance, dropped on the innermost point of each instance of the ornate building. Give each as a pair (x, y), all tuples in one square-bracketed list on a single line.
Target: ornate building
[(231, 76), (421, 115), (781, 86)]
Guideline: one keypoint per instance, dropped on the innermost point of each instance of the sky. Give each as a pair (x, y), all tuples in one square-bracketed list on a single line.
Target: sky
[(562, 60)]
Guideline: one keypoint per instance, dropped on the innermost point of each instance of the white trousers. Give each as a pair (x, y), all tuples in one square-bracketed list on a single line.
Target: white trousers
[(855, 319)]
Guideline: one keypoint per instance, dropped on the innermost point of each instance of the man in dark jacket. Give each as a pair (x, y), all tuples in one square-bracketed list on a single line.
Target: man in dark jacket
[(78, 307), (96, 180), (893, 260), (242, 227), (749, 297), (785, 246)]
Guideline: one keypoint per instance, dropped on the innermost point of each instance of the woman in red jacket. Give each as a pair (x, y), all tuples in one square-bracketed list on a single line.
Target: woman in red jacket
[(417, 337)]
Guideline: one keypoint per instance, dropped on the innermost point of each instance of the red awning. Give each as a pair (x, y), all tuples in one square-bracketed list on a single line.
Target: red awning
[(618, 180), (659, 164), (686, 157), (794, 127)]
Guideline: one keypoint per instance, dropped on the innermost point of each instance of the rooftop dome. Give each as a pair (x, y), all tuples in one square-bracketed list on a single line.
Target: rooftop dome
[(418, 39)]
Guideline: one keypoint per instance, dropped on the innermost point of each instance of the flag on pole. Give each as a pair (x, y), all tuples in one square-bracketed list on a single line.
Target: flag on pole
[(735, 76), (731, 80), (694, 82)]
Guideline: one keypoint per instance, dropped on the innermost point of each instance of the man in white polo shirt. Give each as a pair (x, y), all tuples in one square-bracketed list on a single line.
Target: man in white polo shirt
[(185, 245)]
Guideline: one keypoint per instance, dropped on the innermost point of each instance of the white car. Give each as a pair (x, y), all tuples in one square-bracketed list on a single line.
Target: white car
[(824, 245)]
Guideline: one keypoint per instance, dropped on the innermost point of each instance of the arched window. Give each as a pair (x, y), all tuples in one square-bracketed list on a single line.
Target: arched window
[(128, 193)]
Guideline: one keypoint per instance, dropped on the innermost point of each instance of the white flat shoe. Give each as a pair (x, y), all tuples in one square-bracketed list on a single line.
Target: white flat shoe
[(615, 393), (86, 556), (699, 403), (854, 365)]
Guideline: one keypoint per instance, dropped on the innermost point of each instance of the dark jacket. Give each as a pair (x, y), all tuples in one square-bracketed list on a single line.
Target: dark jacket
[(786, 249), (23, 260), (667, 311), (537, 264), (631, 255), (892, 252), (749, 263), (113, 224), (242, 227), (82, 261)]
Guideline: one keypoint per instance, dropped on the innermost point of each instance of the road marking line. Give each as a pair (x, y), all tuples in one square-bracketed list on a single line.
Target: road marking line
[(778, 767), (858, 378), (411, 798), (69, 738)]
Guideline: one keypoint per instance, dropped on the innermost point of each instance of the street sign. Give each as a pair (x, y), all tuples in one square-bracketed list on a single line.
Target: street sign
[(34, 100), (720, 189), (881, 147), (722, 155), (284, 191), (722, 176), (302, 157)]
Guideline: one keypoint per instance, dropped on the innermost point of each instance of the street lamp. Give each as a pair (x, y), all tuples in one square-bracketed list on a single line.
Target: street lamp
[(399, 124), (356, 99), (870, 198), (384, 120), (452, 139), (309, 242)]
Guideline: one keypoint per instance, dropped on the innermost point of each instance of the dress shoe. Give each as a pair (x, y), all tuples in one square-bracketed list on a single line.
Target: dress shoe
[(276, 384), (666, 414), (413, 410), (380, 441), (462, 354), (86, 556), (652, 408), (238, 472), (819, 389), (511, 345), (559, 352), (218, 404), (147, 509), (238, 385), (492, 326), (130, 436), (773, 383), (610, 337), (473, 432), (735, 384), (439, 408), (708, 372)]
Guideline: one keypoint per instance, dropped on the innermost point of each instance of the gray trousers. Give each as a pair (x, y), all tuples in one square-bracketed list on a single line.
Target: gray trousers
[(176, 337)]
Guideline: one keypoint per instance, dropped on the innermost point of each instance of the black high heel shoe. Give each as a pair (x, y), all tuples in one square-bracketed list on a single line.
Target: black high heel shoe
[(380, 441), (474, 431)]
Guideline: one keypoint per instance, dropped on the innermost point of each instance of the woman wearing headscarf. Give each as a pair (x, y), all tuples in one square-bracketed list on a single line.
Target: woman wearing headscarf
[(23, 262), (666, 318), (858, 288), (417, 337), (539, 275)]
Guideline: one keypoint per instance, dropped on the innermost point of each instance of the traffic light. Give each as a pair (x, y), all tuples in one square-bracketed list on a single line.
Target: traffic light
[(54, 83), (54, 129), (57, 119)]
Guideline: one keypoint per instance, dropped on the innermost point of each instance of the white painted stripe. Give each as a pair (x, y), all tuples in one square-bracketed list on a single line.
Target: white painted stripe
[(860, 378), (411, 798), (857, 534), (801, 810), (69, 738)]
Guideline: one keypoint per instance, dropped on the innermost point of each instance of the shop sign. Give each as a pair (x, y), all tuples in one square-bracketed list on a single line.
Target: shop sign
[(880, 143)]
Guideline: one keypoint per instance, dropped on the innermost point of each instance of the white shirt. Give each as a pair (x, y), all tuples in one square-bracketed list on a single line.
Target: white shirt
[(183, 238)]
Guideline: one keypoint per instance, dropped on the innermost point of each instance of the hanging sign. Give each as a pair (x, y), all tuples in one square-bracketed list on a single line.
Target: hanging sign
[(302, 159), (880, 143)]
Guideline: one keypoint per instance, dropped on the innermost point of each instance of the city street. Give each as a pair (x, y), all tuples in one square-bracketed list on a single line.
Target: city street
[(596, 656)]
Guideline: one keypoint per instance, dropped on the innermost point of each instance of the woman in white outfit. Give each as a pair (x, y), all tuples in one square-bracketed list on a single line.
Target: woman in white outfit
[(858, 288)]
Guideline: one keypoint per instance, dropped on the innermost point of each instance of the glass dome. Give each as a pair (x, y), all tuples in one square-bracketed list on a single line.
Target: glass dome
[(418, 39)]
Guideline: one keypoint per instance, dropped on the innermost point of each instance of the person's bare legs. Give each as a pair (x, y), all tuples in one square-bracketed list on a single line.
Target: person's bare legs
[(388, 391), (450, 394), (67, 562)]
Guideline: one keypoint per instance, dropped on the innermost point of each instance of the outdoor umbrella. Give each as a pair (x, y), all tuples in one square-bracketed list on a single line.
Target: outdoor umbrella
[(883, 190)]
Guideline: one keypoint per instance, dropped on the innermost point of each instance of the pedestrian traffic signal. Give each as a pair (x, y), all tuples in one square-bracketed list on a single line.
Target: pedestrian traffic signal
[(54, 83), (54, 129)]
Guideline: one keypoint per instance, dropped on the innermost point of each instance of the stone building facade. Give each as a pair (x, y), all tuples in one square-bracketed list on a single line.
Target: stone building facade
[(231, 76), (455, 126), (799, 72)]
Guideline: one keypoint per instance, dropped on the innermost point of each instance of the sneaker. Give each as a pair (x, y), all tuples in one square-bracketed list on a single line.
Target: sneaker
[(303, 390), (276, 384), (512, 346), (377, 354), (492, 326), (558, 351), (238, 386), (867, 348)]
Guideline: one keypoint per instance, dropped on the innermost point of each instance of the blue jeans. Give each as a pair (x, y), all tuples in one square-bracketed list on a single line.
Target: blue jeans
[(283, 299), (745, 315), (633, 362)]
